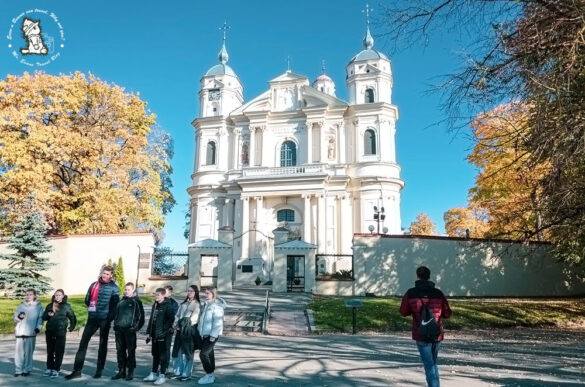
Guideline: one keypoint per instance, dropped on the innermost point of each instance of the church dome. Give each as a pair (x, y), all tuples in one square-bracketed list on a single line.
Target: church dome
[(369, 52), (325, 84), (221, 69)]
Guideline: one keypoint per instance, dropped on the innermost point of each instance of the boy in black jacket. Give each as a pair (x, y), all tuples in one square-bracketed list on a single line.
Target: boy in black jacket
[(128, 320), (160, 331)]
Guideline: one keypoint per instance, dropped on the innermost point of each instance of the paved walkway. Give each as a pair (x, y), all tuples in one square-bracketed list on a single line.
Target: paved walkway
[(481, 358)]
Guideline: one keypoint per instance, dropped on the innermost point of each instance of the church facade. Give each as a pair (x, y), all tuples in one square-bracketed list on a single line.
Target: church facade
[(297, 157)]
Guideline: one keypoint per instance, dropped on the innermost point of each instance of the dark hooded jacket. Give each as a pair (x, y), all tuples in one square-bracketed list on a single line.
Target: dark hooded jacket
[(108, 298), (57, 324), (412, 302), (161, 320), (129, 314)]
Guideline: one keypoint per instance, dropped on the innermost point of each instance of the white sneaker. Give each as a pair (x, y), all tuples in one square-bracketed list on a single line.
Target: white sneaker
[(160, 380), (151, 377), (48, 373), (55, 374), (207, 379)]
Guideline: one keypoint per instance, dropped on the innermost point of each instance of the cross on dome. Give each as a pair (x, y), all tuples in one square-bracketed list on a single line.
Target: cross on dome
[(368, 39), (223, 54)]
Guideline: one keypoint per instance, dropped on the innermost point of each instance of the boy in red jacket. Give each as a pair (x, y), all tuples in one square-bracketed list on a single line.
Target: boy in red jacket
[(424, 292)]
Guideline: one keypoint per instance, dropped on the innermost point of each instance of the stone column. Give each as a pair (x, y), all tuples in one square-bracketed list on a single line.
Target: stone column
[(220, 202), (321, 224), (229, 213), (252, 148), (193, 225), (341, 145), (309, 143), (245, 227), (307, 219)]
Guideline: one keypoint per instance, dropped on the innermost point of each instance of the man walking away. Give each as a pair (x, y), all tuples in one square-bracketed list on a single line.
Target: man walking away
[(101, 299), (414, 303), (128, 319)]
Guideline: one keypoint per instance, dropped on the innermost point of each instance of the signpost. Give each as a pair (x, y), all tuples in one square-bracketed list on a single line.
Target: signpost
[(353, 304)]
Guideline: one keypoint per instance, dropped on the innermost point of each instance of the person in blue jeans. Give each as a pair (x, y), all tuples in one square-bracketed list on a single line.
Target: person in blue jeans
[(425, 292)]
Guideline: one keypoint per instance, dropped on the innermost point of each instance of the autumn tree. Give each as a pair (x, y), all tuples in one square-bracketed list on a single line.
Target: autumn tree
[(422, 225), (507, 185), (533, 53), (87, 150), (464, 222)]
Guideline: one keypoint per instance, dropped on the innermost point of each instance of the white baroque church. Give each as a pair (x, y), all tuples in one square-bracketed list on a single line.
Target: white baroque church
[(295, 156)]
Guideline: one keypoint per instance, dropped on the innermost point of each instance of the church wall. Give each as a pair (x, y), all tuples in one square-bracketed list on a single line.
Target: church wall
[(78, 258)]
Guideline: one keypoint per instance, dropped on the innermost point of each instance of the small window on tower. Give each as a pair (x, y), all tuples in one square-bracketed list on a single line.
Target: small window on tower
[(369, 95)]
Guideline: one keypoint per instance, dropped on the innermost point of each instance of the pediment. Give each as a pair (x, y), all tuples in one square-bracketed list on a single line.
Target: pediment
[(289, 77)]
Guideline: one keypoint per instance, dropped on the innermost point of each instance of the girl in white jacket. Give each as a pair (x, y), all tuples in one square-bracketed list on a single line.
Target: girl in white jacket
[(210, 328), (28, 318), (187, 339)]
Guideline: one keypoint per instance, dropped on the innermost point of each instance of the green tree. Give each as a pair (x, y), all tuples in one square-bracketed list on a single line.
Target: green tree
[(119, 275), (27, 263)]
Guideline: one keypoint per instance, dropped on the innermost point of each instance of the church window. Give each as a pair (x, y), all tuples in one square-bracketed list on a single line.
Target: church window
[(210, 153), (369, 95), (285, 216), (288, 154), (369, 142)]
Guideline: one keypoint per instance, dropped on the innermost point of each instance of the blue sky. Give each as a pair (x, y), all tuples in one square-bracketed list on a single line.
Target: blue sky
[(162, 48)]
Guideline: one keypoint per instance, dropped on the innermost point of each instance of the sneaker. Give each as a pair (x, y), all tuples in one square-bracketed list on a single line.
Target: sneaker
[(175, 376), (160, 380), (151, 377), (207, 379), (184, 378), (48, 373), (25, 373), (55, 374)]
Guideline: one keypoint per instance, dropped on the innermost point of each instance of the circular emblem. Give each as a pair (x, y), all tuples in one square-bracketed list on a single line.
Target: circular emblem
[(36, 37)]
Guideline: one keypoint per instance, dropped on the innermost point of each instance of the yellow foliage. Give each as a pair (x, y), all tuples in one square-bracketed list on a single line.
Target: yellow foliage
[(422, 225), (80, 145)]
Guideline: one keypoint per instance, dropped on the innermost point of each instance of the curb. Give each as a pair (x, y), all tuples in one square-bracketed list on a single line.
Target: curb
[(311, 320)]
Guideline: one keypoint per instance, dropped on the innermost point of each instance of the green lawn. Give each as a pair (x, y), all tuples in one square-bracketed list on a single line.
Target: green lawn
[(7, 307), (381, 314)]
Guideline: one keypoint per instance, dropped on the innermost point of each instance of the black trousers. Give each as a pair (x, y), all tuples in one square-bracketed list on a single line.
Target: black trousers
[(161, 354), (55, 350), (207, 355), (89, 330), (126, 349)]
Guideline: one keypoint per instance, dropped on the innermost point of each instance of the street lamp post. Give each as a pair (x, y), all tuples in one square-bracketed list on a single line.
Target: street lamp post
[(379, 216)]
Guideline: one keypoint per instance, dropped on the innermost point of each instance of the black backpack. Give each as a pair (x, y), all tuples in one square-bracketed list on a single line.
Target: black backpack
[(429, 329)]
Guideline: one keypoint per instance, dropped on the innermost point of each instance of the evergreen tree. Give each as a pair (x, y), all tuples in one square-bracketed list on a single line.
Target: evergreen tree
[(119, 275), (26, 263)]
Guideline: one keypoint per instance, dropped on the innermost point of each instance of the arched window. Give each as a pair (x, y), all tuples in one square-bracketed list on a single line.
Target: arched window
[(285, 216), (369, 142), (369, 95), (288, 154), (210, 153)]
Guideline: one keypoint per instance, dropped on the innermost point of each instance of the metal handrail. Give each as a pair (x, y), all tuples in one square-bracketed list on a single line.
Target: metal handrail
[(266, 314)]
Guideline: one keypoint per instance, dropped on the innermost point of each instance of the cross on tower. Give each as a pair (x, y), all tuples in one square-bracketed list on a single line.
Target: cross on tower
[(323, 66), (288, 63), (225, 27), (367, 12)]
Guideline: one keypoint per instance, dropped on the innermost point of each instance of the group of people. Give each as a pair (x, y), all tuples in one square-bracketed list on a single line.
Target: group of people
[(195, 325)]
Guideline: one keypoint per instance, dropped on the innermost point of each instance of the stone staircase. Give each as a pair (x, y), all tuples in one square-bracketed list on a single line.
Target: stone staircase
[(248, 321)]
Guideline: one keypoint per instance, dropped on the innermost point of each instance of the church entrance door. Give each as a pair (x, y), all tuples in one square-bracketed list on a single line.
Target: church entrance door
[(295, 273)]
